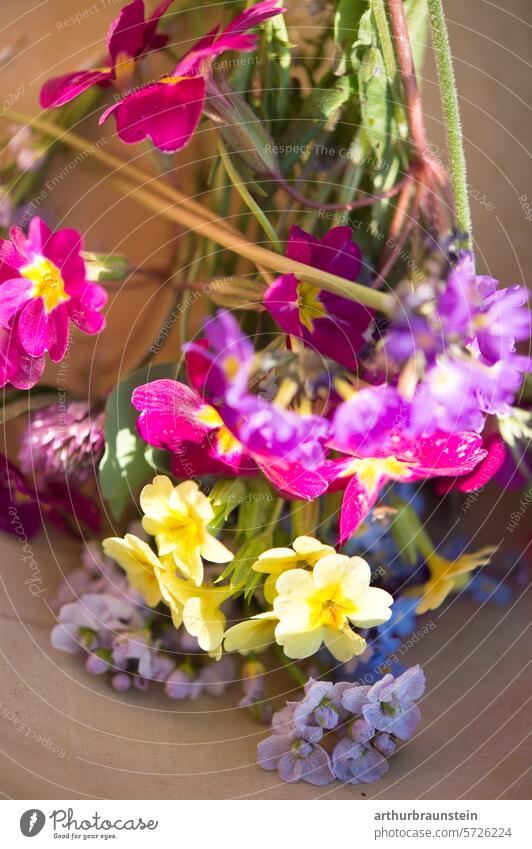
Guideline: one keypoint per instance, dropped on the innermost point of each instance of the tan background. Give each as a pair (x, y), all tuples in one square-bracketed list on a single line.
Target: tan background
[(474, 715)]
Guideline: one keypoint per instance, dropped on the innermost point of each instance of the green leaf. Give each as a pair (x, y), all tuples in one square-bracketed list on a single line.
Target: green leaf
[(374, 100), (347, 18), (408, 532), (225, 496), (318, 109), (250, 201), (246, 556), (304, 517), (259, 508), (124, 466)]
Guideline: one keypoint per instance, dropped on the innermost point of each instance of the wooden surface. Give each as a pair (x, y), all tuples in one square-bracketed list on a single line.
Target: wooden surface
[(475, 719)]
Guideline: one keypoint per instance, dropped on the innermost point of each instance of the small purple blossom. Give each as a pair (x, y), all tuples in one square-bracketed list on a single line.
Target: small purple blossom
[(354, 763), (296, 757), (390, 703), (322, 705)]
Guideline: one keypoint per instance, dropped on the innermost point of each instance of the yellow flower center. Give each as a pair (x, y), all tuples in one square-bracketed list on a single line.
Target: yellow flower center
[(47, 282), (227, 443), (208, 416), (326, 608), (309, 305), (371, 469)]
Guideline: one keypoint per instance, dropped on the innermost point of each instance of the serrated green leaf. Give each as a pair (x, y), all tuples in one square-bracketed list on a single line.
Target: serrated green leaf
[(124, 467)]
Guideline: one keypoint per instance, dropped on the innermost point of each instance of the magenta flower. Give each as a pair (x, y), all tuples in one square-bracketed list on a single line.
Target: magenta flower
[(129, 38), (167, 111), (219, 427), (332, 325), (43, 286), (371, 428)]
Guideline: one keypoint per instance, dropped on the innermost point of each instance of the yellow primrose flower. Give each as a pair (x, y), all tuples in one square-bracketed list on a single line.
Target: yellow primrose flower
[(305, 551), (178, 516), (447, 576), (320, 607), (140, 563), (252, 635), (197, 608)]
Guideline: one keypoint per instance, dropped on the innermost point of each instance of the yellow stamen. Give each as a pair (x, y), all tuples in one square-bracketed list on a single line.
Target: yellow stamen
[(309, 305), (47, 282)]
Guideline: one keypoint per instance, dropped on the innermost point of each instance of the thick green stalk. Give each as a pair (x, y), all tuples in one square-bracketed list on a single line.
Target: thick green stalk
[(451, 114)]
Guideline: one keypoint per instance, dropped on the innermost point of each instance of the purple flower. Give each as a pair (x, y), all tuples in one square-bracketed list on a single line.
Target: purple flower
[(354, 763), (296, 757), (321, 706), (97, 662), (354, 698), (390, 703), (215, 678), (384, 744), (100, 615), (179, 684), (219, 370), (361, 731), (121, 682), (332, 325)]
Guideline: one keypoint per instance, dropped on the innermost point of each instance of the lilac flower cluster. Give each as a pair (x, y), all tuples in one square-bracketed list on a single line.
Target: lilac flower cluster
[(343, 730), (466, 333), (104, 622)]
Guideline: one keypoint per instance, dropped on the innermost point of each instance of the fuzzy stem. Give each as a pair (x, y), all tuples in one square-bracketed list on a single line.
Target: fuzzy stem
[(451, 113)]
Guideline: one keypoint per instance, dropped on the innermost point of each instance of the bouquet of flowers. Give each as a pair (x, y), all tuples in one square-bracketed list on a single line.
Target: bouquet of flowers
[(265, 494)]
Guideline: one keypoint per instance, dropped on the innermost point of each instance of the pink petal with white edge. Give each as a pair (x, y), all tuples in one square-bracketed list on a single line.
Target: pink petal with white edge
[(33, 328), (356, 504)]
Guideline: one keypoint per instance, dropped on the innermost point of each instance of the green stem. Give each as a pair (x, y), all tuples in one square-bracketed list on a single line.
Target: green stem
[(291, 666), (451, 113)]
